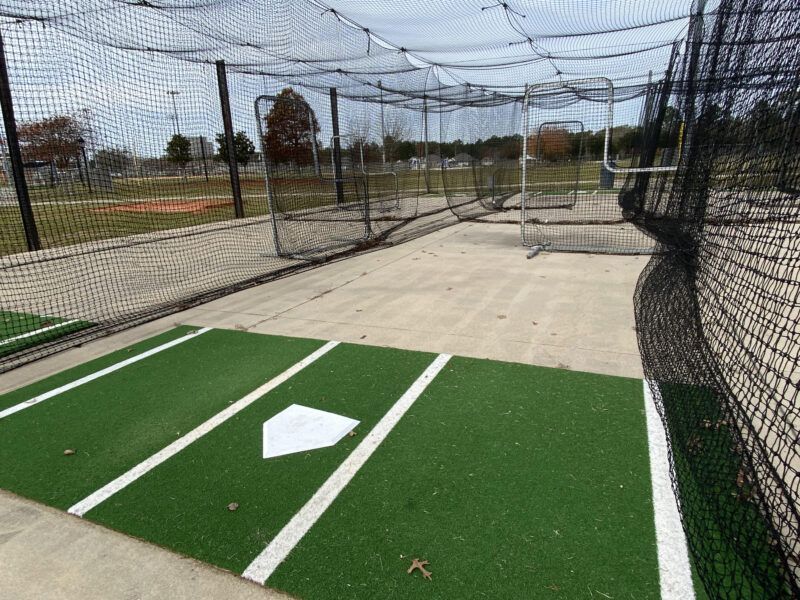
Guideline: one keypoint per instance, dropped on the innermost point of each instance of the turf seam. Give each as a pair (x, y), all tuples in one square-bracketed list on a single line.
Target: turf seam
[(94, 499), (102, 372), (262, 567), (675, 574)]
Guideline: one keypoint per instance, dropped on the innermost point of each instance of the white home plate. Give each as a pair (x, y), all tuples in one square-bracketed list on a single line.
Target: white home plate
[(300, 428)]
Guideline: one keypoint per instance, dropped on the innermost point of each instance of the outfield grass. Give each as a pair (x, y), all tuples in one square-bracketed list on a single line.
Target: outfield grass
[(70, 214)]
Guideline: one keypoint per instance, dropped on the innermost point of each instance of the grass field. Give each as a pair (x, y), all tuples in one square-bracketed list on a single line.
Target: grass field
[(513, 481), (19, 331), (70, 214)]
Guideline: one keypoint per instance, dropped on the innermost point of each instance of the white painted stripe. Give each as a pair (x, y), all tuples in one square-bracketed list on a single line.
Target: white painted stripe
[(279, 548), (37, 332), (124, 480), (675, 573), (115, 367)]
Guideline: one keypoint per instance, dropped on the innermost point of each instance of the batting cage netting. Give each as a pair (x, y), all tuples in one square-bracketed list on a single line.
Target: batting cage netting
[(160, 153)]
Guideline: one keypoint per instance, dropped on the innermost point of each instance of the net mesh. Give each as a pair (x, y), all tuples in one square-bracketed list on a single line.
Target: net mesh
[(172, 151)]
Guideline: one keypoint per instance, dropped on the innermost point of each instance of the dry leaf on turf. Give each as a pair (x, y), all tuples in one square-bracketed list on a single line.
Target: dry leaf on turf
[(417, 564)]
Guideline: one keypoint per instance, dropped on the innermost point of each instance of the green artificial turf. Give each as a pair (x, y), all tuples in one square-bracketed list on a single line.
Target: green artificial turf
[(87, 368), (13, 324), (513, 481), (122, 418), (182, 503), (729, 537)]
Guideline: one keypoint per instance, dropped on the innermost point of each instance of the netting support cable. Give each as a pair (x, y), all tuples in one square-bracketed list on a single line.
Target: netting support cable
[(337, 147), (15, 156), (227, 122)]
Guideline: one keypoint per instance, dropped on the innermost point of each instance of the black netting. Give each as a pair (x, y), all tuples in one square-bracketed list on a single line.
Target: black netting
[(717, 308)]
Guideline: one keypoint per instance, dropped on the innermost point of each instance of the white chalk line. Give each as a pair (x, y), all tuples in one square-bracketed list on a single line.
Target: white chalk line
[(675, 573), (124, 480)]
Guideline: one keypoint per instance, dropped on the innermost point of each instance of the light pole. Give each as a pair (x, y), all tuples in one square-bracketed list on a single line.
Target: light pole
[(174, 93)]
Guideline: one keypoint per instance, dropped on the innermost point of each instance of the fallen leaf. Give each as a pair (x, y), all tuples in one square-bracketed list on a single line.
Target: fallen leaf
[(417, 564), (233, 506)]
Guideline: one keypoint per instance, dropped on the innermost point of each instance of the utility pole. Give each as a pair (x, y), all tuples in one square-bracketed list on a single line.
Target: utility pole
[(174, 93), (383, 129)]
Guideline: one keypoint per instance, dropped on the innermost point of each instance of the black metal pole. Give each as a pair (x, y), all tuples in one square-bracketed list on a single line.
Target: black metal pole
[(15, 156), (233, 166), (203, 154), (337, 148), (86, 169)]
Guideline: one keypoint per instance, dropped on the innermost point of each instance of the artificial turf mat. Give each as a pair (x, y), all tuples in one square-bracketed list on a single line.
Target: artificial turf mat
[(182, 503), (727, 533), (513, 481), (124, 417), (13, 324), (87, 368)]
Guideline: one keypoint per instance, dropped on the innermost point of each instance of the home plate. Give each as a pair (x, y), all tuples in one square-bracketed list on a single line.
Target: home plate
[(300, 428)]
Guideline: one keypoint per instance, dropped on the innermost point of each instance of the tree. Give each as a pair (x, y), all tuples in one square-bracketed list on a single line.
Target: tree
[(179, 150), (243, 148), (56, 140), (551, 144), (291, 129)]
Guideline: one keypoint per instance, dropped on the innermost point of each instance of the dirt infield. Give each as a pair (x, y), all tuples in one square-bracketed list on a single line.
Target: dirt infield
[(168, 206)]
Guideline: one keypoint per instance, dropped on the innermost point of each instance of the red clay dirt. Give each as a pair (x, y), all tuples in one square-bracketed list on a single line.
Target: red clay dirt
[(168, 206)]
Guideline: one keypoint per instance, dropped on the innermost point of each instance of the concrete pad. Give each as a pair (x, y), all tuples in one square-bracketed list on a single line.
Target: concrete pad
[(49, 555), (469, 291)]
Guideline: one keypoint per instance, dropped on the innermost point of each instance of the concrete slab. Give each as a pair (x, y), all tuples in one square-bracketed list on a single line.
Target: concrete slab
[(49, 555)]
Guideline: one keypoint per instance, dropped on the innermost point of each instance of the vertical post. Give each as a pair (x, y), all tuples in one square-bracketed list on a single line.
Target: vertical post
[(383, 129), (203, 155), (15, 156), (425, 133), (337, 148), (233, 166)]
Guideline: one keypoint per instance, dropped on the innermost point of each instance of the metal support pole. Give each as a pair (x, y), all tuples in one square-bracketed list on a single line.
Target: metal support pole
[(337, 148), (174, 93), (233, 166), (15, 156), (203, 155), (86, 168), (383, 129), (425, 129)]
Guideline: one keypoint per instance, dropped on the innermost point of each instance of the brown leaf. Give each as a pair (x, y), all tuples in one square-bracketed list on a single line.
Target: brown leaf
[(417, 564)]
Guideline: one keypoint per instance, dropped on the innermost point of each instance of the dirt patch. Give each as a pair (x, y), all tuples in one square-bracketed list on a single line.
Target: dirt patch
[(196, 205)]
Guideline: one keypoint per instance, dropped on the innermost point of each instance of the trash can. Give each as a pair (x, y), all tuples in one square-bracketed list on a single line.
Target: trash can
[(606, 176)]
